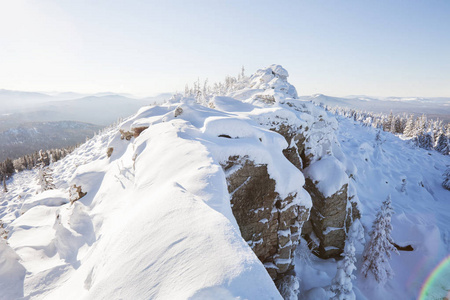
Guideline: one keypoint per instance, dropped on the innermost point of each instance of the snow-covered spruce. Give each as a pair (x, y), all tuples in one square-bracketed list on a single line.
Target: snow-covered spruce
[(425, 133), (378, 250), (446, 183), (341, 285)]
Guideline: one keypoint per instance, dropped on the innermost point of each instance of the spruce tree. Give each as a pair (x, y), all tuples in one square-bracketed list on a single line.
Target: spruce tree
[(446, 183), (378, 251), (424, 140), (442, 144), (387, 122), (45, 179), (341, 285)]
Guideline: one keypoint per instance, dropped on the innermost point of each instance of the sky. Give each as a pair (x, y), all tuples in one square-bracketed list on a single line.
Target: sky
[(345, 47)]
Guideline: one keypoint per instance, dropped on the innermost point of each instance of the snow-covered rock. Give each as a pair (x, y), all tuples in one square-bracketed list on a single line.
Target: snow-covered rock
[(179, 195), (273, 80)]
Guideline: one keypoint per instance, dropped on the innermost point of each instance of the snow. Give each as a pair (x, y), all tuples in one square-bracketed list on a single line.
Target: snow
[(156, 222), (77, 251), (421, 212), (329, 173)]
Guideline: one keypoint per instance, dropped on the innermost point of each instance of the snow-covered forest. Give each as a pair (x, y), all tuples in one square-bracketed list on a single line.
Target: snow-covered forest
[(425, 133)]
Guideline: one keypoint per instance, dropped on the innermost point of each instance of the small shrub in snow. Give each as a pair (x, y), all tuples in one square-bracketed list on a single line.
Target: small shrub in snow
[(380, 246), (341, 285)]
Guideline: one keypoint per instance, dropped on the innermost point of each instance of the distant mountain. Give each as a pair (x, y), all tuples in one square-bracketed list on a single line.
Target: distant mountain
[(29, 121), (158, 99), (101, 111), (32, 137), (10, 100), (438, 107)]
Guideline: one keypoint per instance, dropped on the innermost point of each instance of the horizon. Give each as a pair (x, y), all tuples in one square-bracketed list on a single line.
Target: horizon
[(137, 96), (387, 48)]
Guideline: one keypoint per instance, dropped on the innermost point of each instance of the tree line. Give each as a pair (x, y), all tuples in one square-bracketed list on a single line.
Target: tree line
[(203, 91), (426, 133), (37, 159)]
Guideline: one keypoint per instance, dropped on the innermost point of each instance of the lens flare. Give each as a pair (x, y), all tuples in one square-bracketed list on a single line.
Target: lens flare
[(437, 285)]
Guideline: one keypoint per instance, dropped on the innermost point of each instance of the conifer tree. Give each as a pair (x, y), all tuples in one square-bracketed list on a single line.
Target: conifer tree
[(424, 140), (446, 183), (388, 122), (442, 144), (378, 250), (378, 140), (341, 285), (392, 129), (45, 179)]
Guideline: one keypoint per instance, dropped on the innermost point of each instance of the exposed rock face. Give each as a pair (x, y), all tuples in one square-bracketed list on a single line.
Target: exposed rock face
[(76, 193), (328, 218), (295, 139), (138, 130), (331, 216), (125, 135), (270, 225)]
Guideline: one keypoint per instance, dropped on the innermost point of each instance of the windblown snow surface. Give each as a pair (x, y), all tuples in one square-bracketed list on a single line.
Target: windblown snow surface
[(156, 222)]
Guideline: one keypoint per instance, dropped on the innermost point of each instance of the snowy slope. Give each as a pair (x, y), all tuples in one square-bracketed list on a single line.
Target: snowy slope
[(156, 222), (140, 232), (432, 107), (413, 178)]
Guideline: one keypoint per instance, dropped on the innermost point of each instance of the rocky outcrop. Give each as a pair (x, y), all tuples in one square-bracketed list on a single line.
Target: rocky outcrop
[(135, 132), (331, 215), (273, 80), (270, 224), (328, 218), (109, 151), (127, 135), (138, 130), (76, 193)]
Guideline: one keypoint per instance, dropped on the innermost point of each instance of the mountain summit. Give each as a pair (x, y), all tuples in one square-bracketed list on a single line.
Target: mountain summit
[(223, 199)]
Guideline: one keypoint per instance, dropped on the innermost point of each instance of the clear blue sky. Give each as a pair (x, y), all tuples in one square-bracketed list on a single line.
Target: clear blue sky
[(381, 48)]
